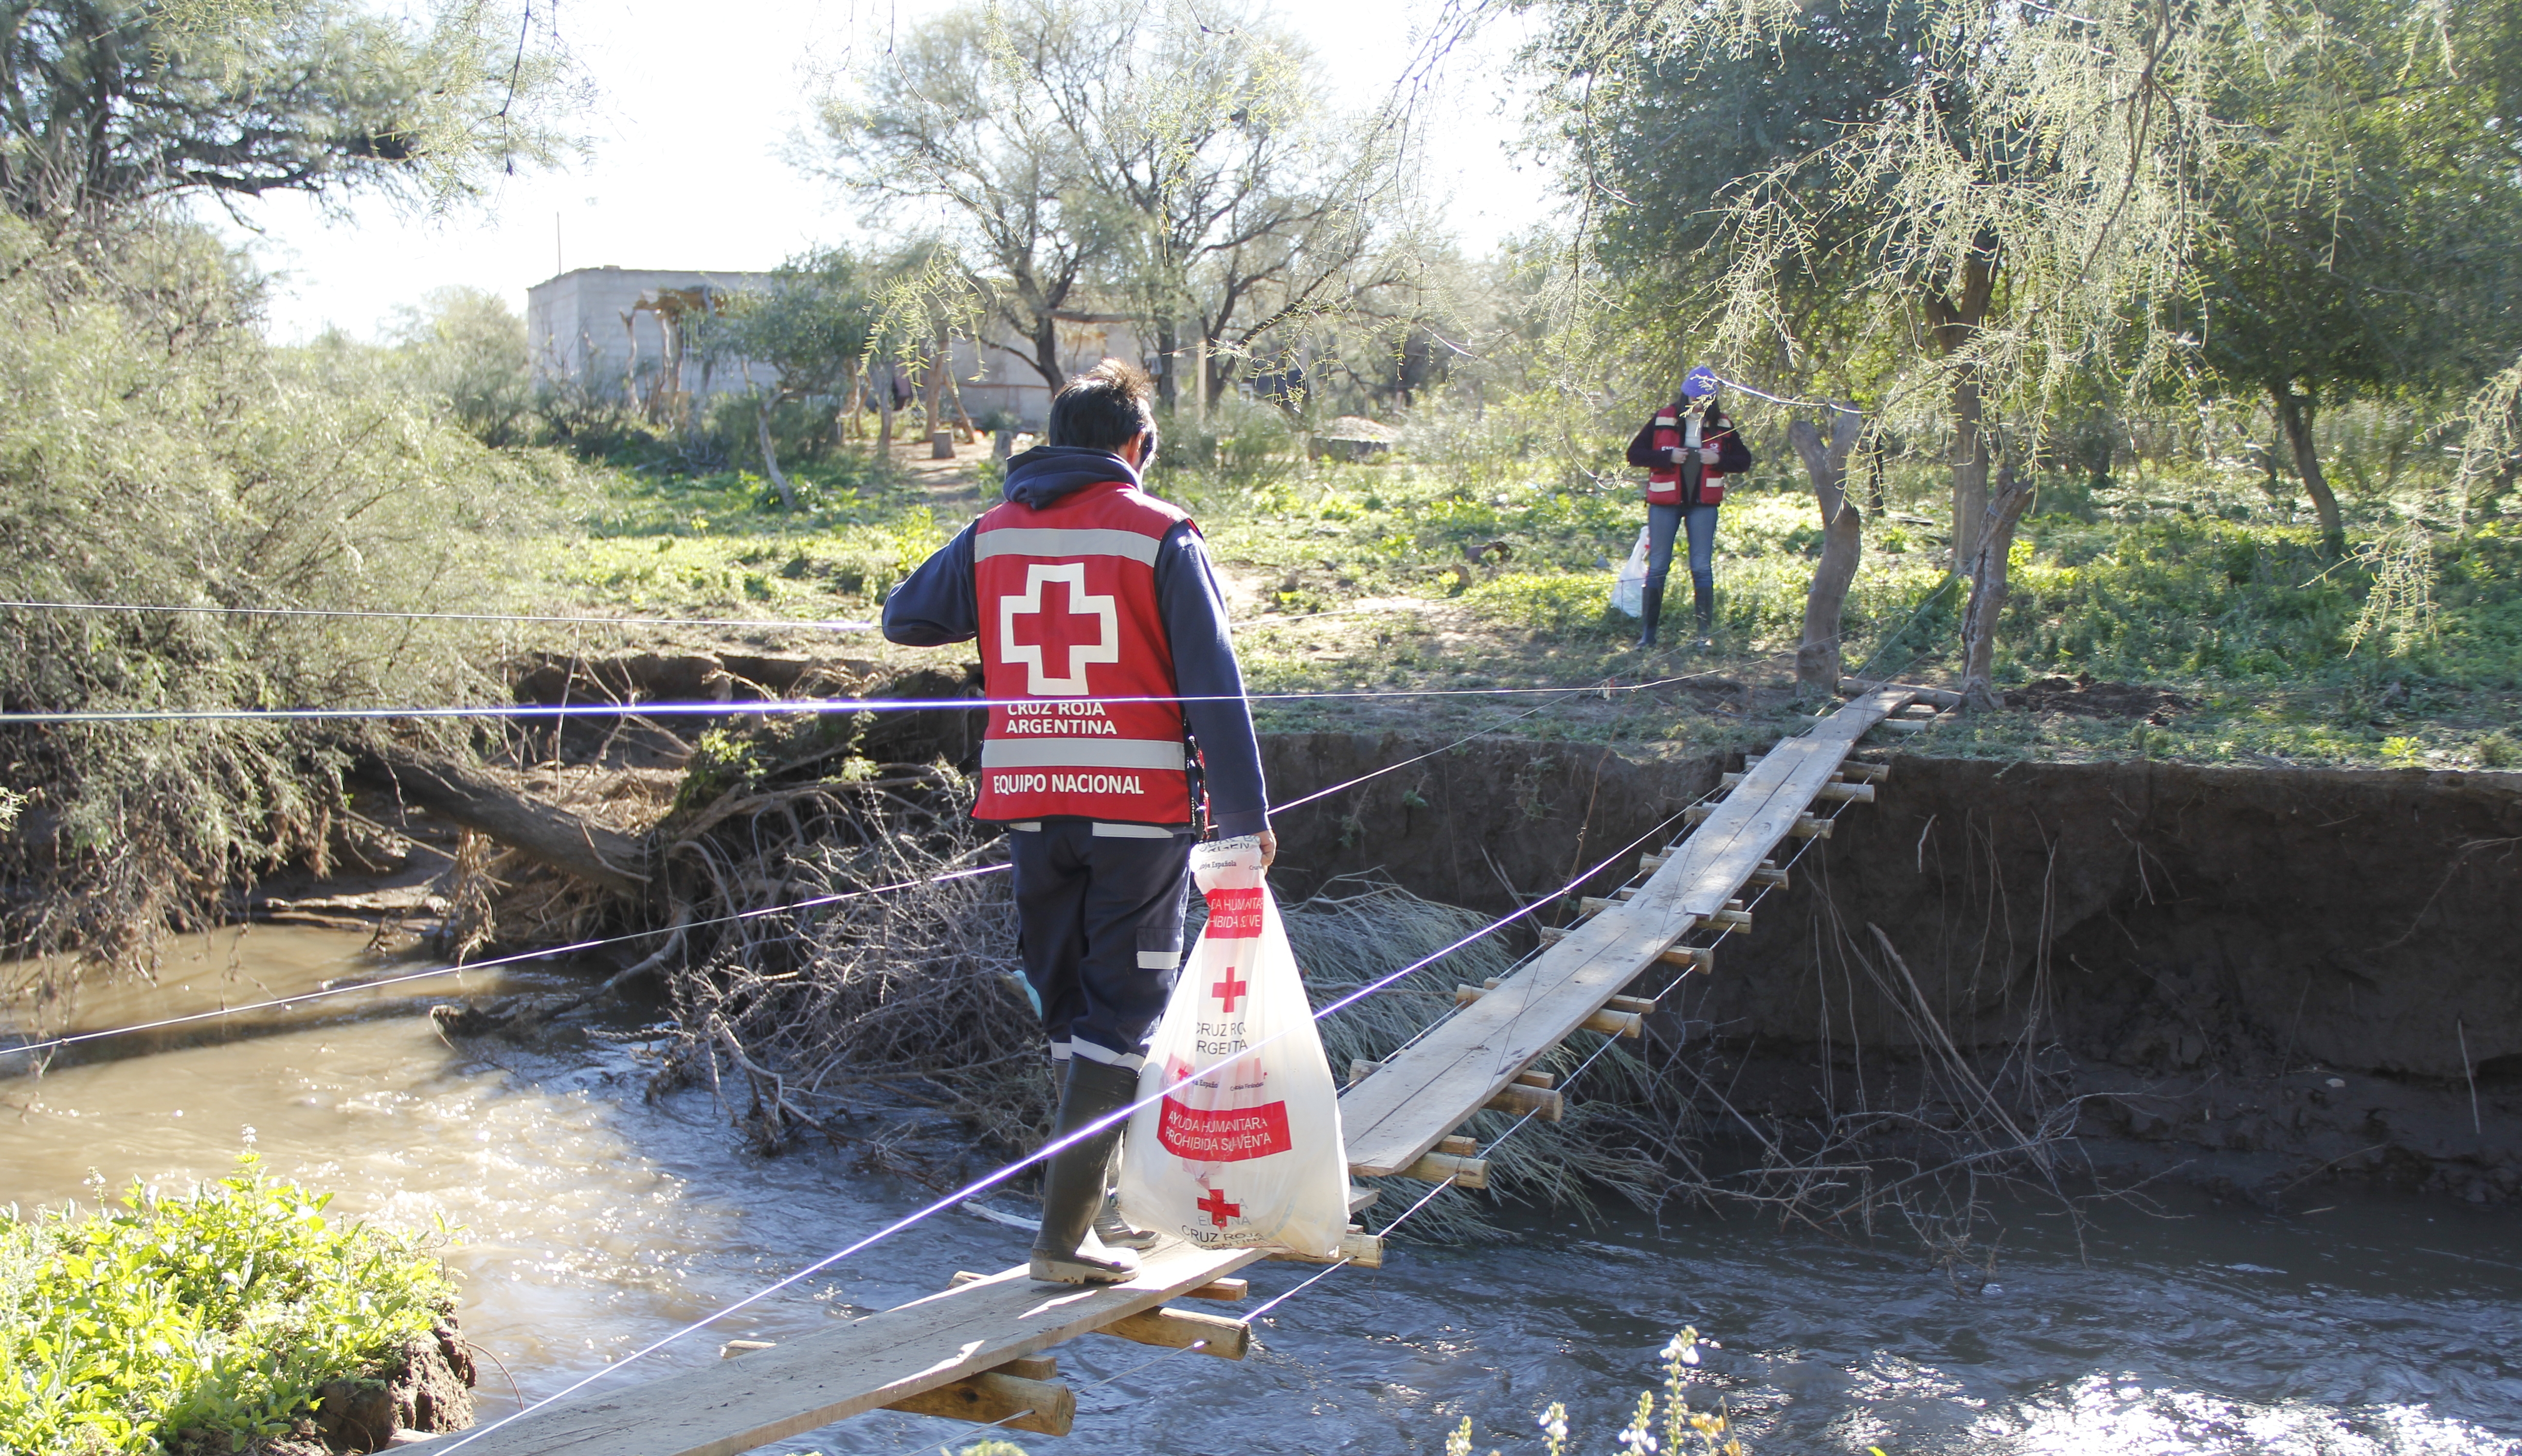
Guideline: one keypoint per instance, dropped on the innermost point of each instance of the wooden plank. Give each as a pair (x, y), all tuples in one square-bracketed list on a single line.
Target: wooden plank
[(1442, 1167), (1032, 1367), (1422, 1094), (1620, 1021), (1180, 1329), (1008, 1402), (1692, 957), (1365, 1250), (1549, 1106), (872, 1363), (1232, 1290)]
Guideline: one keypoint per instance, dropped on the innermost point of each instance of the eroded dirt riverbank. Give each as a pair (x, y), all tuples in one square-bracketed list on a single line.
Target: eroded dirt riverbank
[(2265, 980)]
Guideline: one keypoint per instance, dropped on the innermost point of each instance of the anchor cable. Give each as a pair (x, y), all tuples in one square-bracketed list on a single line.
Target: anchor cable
[(988, 1181)]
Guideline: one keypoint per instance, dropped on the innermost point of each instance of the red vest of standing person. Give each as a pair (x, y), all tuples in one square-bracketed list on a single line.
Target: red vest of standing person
[(1664, 484), (1072, 647)]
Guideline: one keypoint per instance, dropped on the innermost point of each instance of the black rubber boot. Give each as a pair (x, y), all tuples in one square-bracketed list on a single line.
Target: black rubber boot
[(1705, 598), (1114, 1230), (1065, 1251), (1652, 600)]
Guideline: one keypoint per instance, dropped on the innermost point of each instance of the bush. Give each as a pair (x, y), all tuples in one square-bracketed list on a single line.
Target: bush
[(222, 1313), (158, 452)]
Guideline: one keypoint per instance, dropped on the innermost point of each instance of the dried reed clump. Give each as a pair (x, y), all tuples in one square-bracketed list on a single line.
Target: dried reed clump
[(917, 993), (1357, 931)]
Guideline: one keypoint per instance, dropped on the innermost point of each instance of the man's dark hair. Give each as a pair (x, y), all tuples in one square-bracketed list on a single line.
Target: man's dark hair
[(1105, 407)]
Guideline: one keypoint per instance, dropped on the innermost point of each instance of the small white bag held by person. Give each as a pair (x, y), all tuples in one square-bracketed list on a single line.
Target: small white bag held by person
[(1629, 588), (1248, 1152)]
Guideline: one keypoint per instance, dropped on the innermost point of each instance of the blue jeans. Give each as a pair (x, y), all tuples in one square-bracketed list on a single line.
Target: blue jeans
[(1663, 523)]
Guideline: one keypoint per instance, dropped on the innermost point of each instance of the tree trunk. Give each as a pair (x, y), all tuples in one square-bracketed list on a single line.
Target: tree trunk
[(850, 404), (1970, 465), (592, 852), (770, 456), (935, 404), (1987, 567), (1843, 545), (1199, 381), (1046, 351), (1168, 338), (1955, 321), (884, 419), (2294, 416)]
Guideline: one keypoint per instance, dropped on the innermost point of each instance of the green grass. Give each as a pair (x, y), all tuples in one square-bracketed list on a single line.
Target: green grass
[(220, 1313), (719, 543), (2207, 583)]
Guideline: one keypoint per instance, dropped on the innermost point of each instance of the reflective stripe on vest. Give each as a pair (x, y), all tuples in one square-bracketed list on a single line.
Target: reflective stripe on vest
[(1070, 633)]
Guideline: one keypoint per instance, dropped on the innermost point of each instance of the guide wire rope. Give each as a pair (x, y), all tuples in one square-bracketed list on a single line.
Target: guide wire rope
[(580, 947), (1569, 1080), (361, 614), (988, 1181), (574, 948), (768, 707)]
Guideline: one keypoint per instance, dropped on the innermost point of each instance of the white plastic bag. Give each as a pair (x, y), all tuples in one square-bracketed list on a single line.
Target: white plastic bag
[(1629, 588), (1248, 1154)]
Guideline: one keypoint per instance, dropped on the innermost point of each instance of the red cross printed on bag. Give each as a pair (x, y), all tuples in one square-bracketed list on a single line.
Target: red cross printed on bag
[(1078, 630), (1226, 991), (1217, 1208)]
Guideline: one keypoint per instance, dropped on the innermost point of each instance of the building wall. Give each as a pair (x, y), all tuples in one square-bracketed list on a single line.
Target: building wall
[(574, 325)]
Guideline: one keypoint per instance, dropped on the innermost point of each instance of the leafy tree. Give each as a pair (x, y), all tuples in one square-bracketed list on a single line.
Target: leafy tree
[(466, 347), (1994, 182), (2367, 229), (813, 324), (1180, 170), (112, 103)]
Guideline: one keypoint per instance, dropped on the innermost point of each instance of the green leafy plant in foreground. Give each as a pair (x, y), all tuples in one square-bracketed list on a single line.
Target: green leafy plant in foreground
[(223, 1312)]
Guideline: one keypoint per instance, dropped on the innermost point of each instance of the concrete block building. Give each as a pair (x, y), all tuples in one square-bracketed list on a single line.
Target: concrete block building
[(616, 333)]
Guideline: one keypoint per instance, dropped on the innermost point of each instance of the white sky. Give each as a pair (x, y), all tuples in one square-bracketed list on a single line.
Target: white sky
[(695, 104)]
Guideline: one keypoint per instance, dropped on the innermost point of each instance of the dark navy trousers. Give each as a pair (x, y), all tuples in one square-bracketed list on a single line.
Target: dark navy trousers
[(1100, 926)]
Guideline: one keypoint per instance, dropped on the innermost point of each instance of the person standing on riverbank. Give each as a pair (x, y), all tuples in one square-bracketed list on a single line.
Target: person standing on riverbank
[(1687, 451), (1118, 727)]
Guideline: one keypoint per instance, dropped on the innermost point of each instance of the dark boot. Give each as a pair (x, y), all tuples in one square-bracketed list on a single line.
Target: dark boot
[(1072, 1186), (1114, 1230), (1651, 601), (1703, 594)]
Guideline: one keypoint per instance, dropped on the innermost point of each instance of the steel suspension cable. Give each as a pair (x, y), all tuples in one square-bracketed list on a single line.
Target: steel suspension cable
[(580, 947), (992, 1179), (571, 949), (1570, 1079), (361, 614), (763, 707)]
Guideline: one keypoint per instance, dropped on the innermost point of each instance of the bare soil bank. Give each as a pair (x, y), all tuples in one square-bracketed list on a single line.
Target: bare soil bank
[(2259, 979)]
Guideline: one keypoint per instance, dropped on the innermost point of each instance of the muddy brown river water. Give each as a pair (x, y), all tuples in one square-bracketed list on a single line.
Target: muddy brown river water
[(590, 1221)]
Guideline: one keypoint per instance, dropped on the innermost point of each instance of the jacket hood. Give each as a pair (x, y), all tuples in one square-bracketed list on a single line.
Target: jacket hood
[(1040, 477)]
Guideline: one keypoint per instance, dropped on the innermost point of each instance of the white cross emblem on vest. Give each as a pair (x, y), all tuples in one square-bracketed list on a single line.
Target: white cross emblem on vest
[(1058, 630)]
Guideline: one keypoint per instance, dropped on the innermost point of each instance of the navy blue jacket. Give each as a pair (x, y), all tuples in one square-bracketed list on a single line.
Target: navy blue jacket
[(940, 604)]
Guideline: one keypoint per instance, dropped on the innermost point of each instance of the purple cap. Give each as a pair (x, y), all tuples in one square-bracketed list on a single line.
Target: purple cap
[(1700, 383)]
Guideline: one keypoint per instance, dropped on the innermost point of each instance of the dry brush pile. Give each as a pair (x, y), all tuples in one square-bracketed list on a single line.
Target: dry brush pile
[(902, 986)]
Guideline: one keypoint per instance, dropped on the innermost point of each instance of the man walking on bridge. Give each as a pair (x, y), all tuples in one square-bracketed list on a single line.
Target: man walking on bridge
[(1117, 717)]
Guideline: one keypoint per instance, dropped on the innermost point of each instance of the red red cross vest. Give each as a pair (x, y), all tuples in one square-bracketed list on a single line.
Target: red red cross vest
[(1070, 631), (1664, 483)]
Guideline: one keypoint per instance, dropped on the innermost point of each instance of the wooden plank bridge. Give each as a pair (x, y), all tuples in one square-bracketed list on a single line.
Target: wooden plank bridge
[(974, 1352)]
